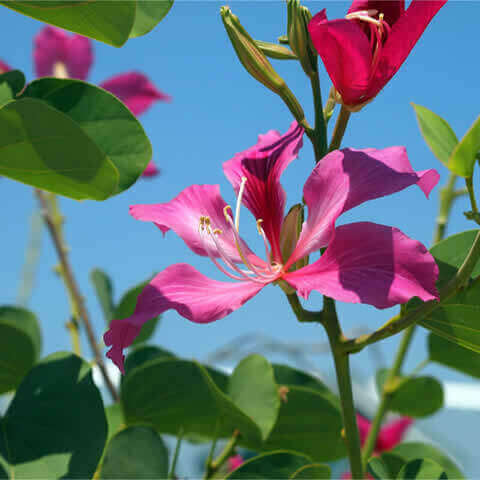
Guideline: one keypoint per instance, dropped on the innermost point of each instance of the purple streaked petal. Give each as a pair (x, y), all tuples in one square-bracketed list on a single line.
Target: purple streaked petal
[(262, 165), (135, 90), (346, 178), (182, 288), (370, 263), (182, 215)]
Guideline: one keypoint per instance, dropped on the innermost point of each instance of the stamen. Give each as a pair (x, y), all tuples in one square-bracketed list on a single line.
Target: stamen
[(265, 243), (217, 231), (365, 15), (60, 70), (239, 202)]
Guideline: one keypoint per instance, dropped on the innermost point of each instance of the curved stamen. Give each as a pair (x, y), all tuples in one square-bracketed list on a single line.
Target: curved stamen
[(265, 243), (239, 202)]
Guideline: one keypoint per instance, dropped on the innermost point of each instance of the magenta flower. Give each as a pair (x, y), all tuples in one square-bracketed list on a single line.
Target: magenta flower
[(365, 50), (4, 67), (234, 462), (71, 56), (364, 262)]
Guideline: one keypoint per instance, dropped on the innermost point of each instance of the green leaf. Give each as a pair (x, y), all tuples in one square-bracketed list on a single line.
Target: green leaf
[(126, 307), (312, 471), (109, 22), (55, 426), (136, 452), (309, 422), (423, 468), (105, 120), (289, 376), (253, 390), (115, 420), (280, 464), (169, 394), (385, 467), (144, 353), (43, 147), (20, 345), (149, 14), (11, 83), (457, 323), (462, 160), (437, 133), (414, 450), (451, 355), (414, 396), (104, 290)]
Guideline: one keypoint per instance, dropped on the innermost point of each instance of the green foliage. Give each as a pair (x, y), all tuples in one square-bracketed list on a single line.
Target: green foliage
[(136, 452), (437, 133), (20, 345), (386, 466), (463, 158), (104, 119), (110, 22), (289, 376), (144, 353), (451, 355), (414, 396), (44, 148), (280, 464), (104, 290), (253, 390), (115, 419), (149, 14), (11, 84), (422, 468), (55, 426)]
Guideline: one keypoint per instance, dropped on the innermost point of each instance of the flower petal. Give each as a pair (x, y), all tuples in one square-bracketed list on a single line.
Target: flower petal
[(135, 90), (4, 67), (262, 165), (346, 178), (53, 45), (151, 170), (364, 426), (370, 263), (403, 37), (184, 289), (392, 9), (346, 53), (182, 215), (392, 434)]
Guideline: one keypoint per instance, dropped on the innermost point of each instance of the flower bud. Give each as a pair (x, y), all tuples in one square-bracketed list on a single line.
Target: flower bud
[(273, 50), (291, 228), (298, 36), (257, 64)]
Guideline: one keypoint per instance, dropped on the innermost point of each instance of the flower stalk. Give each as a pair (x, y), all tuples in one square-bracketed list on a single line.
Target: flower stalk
[(225, 454), (339, 130)]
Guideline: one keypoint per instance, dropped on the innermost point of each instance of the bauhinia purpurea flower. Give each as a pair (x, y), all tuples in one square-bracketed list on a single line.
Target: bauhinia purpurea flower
[(363, 262), (364, 50), (71, 56)]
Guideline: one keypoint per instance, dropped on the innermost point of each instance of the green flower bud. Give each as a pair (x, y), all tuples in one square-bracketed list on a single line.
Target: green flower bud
[(298, 36), (273, 50)]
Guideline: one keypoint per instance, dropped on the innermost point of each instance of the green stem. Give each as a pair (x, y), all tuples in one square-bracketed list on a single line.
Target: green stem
[(320, 144), (342, 370), (72, 327), (52, 223), (302, 314), (171, 473), (339, 130), (225, 454), (330, 105), (471, 193), (387, 394)]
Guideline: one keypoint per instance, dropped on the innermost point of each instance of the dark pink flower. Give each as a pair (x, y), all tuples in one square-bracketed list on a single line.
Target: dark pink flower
[(234, 462), (364, 262), (4, 67), (363, 51), (59, 54)]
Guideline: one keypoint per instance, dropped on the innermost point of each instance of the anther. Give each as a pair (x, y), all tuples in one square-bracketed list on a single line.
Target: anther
[(217, 231), (225, 212), (259, 228)]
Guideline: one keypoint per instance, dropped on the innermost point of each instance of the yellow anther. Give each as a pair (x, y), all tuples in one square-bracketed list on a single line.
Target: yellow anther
[(380, 17), (259, 228), (201, 224), (225, 212), (207, 221), (217, 231)]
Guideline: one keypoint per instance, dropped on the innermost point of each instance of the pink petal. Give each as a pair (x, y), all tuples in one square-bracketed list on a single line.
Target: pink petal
[(262, 165), (345, 50), (392, 434), (135, 90), (151, 170), (392, 9), (53, 45), (234, 462), (4, 67), (370, 263), (346, 178), (182, 215), (364, 426), (403, 37), (184, 289)]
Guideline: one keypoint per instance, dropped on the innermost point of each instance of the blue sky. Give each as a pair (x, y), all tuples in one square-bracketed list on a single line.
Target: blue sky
[(218, 110)]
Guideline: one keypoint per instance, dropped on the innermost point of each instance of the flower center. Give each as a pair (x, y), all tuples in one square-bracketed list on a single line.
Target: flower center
[(377, 28), (209, 235), (60, 70)]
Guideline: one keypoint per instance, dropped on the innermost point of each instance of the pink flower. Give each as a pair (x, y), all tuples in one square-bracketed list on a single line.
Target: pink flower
[(71, 56), (364, 262), (365, 50), (234, 462), (4, 67)]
